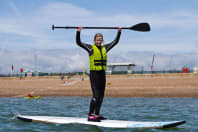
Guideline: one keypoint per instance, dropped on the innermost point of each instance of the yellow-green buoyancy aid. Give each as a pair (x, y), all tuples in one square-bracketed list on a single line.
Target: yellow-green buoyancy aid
[(98, 60)]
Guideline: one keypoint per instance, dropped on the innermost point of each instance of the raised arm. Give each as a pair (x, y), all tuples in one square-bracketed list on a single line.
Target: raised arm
[(87, 47), (115, 41)]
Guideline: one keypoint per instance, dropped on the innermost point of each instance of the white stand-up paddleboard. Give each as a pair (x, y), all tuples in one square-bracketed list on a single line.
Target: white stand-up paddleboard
[(103, 123)]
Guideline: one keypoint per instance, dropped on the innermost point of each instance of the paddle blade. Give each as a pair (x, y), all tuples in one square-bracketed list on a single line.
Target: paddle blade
[(143, 27)]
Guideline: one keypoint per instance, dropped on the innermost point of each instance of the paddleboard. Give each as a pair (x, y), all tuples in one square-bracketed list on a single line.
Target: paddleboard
[(103, 123), (37, 97)]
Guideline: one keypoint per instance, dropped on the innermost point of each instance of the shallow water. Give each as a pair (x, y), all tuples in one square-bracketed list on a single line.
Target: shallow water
[(137, 109)]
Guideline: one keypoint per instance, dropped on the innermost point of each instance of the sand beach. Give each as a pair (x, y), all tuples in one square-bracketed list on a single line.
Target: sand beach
[(134, 85)]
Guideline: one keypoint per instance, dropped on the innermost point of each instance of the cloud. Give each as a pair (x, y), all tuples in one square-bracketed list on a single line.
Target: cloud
[(43, 60), (60, 13), (35, 26), (63, 11), (60, 60), (171, 31), (14, 8)]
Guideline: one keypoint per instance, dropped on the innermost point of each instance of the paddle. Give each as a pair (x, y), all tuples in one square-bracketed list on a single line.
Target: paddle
[(142, 27)]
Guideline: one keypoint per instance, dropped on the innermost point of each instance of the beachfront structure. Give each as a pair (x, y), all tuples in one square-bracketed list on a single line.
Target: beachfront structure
[(112, 66), (195, 69)]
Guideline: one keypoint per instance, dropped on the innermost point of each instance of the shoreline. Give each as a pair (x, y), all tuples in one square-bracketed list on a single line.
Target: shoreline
[(133, 85)]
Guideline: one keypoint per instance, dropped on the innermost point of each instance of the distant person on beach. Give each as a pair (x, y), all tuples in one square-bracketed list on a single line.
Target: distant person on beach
[(62, 77), (98, 62), (29, 95)]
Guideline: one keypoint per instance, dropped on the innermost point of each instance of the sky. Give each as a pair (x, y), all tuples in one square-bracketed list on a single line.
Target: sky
[(28, 41)]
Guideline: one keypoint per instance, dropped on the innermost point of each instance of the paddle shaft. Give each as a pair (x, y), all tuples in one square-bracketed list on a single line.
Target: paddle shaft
[(74, 27)]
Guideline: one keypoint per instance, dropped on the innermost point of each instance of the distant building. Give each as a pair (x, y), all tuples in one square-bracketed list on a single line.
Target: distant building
[(112, 66), (195, 69)]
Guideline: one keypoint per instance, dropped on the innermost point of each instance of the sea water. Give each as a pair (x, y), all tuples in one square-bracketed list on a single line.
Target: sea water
[(136, 109)]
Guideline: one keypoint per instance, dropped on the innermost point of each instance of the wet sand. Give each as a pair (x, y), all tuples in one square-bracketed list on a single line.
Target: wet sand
[(155, 85)]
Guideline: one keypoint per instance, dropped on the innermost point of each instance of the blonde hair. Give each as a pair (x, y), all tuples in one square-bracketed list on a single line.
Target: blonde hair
[(98, 35)]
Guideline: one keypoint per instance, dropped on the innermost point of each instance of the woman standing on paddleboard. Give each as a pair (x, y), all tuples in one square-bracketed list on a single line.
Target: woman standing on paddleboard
[(98, 62)]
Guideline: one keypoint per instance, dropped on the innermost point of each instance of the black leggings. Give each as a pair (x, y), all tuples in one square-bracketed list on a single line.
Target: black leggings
[(98, 81)]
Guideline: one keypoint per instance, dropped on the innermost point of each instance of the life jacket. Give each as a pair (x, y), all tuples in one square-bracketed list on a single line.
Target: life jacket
[(98, 60)]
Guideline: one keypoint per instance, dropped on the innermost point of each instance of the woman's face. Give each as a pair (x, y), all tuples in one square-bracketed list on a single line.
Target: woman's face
[(98, 40)]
